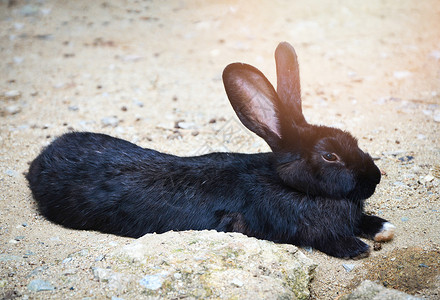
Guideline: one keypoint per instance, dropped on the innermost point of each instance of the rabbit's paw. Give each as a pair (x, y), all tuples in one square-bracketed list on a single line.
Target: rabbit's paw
[(346, 247), (355, 248), (377, 229), (386, 233)]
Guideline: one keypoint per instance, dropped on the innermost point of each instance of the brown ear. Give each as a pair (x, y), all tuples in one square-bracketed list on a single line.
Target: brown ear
[(254, 100), (288, 84)]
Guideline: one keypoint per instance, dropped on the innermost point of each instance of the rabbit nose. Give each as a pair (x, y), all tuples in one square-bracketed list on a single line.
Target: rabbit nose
[(370, 170), (374, 173), (370, 173), (377, 176)]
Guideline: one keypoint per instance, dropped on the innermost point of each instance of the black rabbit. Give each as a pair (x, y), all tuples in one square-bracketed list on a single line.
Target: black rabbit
[(309, 191)]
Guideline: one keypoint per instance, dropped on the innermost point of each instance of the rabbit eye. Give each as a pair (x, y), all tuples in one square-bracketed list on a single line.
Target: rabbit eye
[(330, 157)]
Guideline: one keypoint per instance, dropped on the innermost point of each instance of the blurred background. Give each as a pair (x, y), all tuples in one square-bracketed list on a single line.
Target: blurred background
[(137, 68)]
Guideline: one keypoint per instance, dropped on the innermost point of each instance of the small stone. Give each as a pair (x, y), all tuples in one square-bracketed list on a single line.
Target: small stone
[(110, 121), (393, 153), (165, 126), (18, 60), (73, 108), (138, 103), (13, 109), (401, 74), (308, 249), (416, 169), (437, 117), (351, 74), (12, 95), (186, 125), (3, 283), (404, 219), (115, 281), (100, 258), (215, 52), (381, 101), (428, 178), (131, 58), (67, 260), (83, 252), (101, 274), (45, 11), (377, 246), (11, 173), (38, 285), (44, 37), (348, 267), (407, 158), (37, 271), (237, 282), (71, 271), (18, 26), (409, 176), (435, 54), (152, 282), (175, 135), (8, 257), (29, 10)]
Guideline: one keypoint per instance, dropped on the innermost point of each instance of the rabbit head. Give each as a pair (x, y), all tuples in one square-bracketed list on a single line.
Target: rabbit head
[(315, 160)]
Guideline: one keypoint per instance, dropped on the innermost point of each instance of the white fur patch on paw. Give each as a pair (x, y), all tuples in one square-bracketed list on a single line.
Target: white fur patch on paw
[(386, 233)]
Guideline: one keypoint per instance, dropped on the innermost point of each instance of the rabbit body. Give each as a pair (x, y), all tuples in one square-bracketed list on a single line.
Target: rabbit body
[(94, 181), (309, 191)]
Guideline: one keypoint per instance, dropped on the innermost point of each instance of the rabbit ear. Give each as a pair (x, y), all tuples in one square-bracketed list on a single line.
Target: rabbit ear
[(254, 100), (288, 84)]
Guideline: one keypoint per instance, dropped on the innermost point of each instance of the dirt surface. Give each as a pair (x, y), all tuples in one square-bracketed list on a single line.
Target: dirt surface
[(139, 69)]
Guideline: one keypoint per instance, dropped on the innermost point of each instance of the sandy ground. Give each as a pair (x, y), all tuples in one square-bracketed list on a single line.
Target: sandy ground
[(133, 69)]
